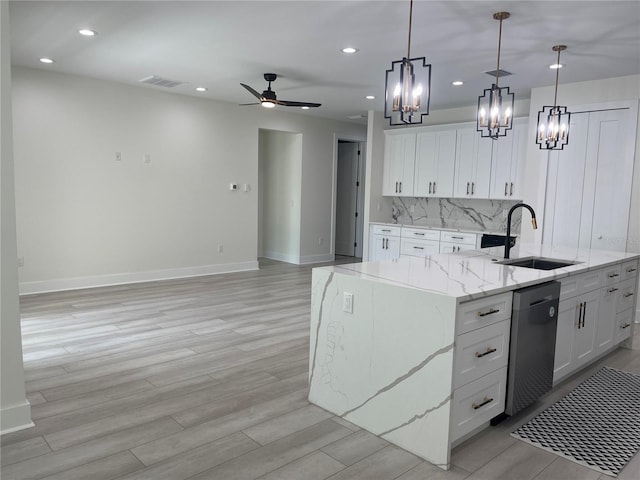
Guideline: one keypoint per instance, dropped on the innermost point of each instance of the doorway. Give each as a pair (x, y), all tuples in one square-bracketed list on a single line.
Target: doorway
[(349, 199)]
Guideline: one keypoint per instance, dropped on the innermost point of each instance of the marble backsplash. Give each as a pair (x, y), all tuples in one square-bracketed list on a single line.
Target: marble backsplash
[(456, 213)]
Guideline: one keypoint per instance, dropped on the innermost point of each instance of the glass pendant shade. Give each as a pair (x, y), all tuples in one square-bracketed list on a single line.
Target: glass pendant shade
[(407, 87), (496, 104), (552, 132), (495, 112)]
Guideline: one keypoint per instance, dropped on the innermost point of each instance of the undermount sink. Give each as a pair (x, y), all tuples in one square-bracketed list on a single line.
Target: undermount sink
[(538, 263)]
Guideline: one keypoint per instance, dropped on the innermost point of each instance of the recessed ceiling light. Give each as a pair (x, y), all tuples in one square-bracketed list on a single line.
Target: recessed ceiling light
[(349, 50), (87, 32), (46, 60), (201, 89), (370, 97), (457, 83), (555, 66), (305, 108)]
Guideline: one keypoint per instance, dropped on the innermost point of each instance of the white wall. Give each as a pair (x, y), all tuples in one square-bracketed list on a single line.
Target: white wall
[(280, 172), (86, 219), (15, 412)]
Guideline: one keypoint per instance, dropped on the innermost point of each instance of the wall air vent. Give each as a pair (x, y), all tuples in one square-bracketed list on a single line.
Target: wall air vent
[(503, 73), (160, 82)]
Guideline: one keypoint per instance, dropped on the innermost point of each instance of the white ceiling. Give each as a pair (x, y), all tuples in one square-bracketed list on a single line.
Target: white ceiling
[(218, 44)]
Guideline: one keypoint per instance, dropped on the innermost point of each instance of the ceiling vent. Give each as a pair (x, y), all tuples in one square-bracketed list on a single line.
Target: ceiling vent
[(503, 73), (160, 82)]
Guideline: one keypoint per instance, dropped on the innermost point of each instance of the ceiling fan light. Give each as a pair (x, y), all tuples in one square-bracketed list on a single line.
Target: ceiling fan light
[(268, 104)]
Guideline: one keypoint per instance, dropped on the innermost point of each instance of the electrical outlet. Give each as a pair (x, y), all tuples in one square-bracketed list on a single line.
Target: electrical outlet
[(233, 187), (118, 156), (220, 248), (347, 302)]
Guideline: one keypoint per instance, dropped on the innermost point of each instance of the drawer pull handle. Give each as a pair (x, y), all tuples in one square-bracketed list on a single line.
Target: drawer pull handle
[(385, 230), (631, 269), (611, 290), (489, 350), (490, 312), (627, 295), (613, 275), (467, 188), (626, 325), (418, 233), (506, 185), (457, 238), (418, 248), (486, 400), (511, 190)]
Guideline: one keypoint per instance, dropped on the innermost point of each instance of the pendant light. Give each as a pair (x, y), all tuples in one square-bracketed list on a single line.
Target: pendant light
[(407, 89), (495, 105), (552, 132)]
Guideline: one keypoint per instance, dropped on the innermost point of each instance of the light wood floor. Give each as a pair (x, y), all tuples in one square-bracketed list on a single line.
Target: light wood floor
[(206, 378)]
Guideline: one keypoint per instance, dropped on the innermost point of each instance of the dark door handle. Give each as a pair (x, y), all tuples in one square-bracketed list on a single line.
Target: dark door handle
[(580, 316)]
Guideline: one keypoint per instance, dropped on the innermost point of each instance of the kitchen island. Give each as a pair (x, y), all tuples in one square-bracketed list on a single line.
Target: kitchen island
[(416, 350)]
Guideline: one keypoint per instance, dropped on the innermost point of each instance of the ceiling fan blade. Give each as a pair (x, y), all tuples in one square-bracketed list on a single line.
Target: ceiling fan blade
[(288, 103), (245, 104), (253, 92)]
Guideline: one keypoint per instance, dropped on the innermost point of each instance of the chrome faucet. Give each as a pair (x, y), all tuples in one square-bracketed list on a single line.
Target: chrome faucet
[(507, 242)]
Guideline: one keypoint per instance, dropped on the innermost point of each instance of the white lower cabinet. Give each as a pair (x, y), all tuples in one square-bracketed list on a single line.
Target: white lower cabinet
[(595, 314), (478, 402), (384, 243), (605, 331), (481, 356)]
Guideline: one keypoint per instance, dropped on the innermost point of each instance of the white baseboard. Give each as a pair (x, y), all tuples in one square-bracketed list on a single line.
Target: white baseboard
[(16, 417), (282, 257), (321, 258), (56, 285)]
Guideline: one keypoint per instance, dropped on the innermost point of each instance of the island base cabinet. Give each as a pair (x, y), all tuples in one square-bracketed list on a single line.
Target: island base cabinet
[(624, 323), (606, 318), (576, 333), (475, 403)]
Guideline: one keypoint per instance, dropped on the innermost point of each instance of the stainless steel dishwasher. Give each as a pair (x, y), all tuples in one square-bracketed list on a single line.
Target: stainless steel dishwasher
[(534, 319)]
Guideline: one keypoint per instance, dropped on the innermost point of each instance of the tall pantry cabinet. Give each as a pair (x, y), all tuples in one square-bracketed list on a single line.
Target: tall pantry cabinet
[(589, 182)]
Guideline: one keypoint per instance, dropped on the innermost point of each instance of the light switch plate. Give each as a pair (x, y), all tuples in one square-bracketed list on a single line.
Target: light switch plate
[(347, 302)]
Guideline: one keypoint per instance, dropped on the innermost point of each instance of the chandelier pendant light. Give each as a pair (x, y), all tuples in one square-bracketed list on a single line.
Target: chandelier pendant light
[(552, 132), (408, 87), (495, 105)]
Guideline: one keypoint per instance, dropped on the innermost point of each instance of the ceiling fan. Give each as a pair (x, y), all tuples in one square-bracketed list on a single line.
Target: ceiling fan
[(268, 97)]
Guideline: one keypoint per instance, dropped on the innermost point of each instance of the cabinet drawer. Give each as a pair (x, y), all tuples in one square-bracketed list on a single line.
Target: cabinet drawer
[(418, 248), (624, 324), (626, 295), (389, 230), (611, 274), (485, 311), (448, 247), (458, 237), (579, 284), (481, 352), (478, 402), (629, 269), (421, 234)]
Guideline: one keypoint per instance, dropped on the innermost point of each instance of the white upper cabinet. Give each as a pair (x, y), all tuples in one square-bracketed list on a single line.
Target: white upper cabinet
[(399, 160), (473, 164), (435, 162), (508, 159)]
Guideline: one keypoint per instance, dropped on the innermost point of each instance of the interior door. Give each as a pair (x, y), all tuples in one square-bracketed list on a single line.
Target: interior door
[(346, 198)]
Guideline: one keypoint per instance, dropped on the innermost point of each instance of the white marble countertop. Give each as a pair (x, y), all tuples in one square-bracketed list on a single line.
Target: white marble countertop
[(444, 229), (474, 274)]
